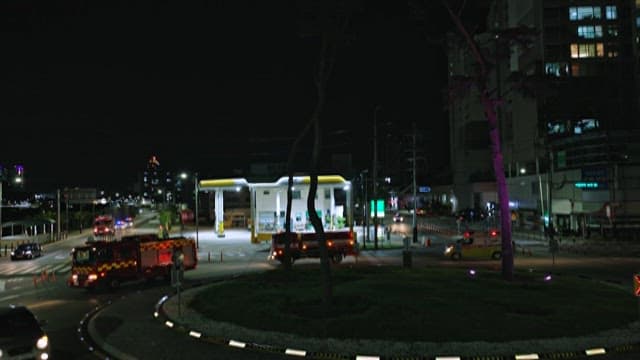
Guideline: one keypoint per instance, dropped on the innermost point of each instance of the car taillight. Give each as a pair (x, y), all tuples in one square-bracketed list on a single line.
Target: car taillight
[(494, 233)]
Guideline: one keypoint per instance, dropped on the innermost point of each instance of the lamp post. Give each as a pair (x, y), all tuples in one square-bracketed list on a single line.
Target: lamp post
[(1, 228), (365, 214), (197, 206), (375, 176)]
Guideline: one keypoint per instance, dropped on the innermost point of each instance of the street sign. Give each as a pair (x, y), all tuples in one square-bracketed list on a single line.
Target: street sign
[(636, 285), (424, 189)]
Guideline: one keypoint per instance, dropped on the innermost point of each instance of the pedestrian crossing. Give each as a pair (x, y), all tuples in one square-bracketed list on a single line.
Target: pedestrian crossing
[(33, 268)]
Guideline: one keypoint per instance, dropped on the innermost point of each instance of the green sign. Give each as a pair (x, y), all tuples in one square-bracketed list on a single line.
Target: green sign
[(379, 208)]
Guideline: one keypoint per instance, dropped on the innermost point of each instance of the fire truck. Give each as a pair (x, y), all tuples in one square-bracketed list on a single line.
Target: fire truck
[(305, 245), (110, 263), (103, 226)]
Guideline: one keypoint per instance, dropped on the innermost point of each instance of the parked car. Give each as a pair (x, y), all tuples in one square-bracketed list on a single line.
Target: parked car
[(22, 335), (26, 251)]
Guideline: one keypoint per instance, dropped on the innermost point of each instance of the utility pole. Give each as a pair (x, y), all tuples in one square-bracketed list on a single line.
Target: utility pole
[(197, 206), (59, 220), (550, 190), (66, 200), (1, 180), (365, 216), (375, 177), (415, 199)]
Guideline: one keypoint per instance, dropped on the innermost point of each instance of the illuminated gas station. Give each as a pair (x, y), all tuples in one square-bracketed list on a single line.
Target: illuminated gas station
[(268, 204)]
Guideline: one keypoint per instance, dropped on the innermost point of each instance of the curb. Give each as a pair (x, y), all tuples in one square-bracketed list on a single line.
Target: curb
[(192, 331)]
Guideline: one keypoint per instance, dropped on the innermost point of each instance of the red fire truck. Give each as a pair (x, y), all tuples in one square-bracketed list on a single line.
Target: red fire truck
[(103, 226), (305, 245), (110, 263)]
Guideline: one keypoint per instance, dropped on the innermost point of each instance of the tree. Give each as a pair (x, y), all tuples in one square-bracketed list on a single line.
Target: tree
[(490, 102), (331, 25)]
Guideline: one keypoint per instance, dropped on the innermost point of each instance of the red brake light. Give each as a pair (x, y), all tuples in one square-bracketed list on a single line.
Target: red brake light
[(494, 233), (467, 234)]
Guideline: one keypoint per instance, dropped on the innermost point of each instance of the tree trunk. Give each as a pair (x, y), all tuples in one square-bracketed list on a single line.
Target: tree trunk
[(489, 105)]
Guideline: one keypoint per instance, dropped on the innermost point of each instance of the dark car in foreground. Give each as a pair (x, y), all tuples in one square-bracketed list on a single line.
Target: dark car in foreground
[(26, 252), (22, 335)]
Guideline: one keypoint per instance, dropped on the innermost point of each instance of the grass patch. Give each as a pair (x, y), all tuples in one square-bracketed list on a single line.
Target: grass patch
[(425, 304)]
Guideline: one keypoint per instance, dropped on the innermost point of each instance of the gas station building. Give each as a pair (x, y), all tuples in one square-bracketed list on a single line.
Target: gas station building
[(268, 204)]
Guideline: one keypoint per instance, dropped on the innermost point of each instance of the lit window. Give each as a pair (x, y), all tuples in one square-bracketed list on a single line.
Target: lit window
[(584, 13), (584, 125), (590, 31), (586, 50), (556, 127), (611, 12), (556, 69)]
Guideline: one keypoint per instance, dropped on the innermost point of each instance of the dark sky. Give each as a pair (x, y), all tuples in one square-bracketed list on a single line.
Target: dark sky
[(91, 89)]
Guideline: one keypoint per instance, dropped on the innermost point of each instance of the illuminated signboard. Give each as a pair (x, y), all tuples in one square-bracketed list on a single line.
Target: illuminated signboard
[(379, 208), (587, 185)]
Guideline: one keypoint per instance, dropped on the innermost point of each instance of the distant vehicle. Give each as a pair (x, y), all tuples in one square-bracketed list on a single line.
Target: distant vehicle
[(124, 223), (398, 218), (471, 214), (103, 225), (476, 245), (22, 335), (26, 252), (305, 245)]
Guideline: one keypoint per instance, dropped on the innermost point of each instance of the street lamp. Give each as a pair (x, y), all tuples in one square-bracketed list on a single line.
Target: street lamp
[(197, 206)]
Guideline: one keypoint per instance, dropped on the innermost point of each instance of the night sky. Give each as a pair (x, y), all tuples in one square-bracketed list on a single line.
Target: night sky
[(91, 89)]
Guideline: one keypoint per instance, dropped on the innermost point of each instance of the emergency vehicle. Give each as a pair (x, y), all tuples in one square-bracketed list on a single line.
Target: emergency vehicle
[(103, 226), (134, 257), (476, 245), (305, 245)]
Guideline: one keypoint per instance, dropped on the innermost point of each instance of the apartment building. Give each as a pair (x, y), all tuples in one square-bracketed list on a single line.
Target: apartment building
[(568, 115)]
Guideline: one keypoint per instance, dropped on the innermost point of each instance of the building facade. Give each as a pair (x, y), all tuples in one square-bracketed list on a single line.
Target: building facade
[(568, 115)]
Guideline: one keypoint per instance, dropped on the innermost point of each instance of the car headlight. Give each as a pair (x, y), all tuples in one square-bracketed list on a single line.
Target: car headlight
[(43, 342), (13, 253), (448, 249)]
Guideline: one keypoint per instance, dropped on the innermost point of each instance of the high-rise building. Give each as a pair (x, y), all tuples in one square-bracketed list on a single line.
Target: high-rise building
[(151, 181), (568, 114)]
